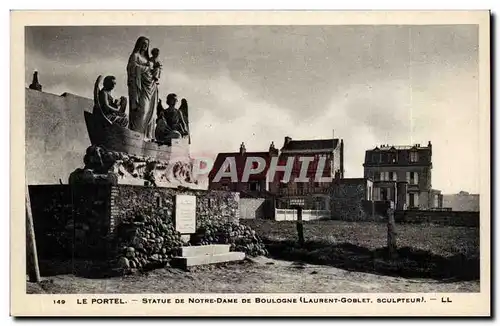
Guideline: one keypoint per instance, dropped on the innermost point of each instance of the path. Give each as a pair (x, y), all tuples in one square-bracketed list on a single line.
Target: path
[(260, 275)]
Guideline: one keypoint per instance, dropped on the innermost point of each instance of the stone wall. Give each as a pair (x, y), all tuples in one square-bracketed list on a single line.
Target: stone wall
[(81, 221), (52, 210), (71, 222), (220, 206), (452, 218)]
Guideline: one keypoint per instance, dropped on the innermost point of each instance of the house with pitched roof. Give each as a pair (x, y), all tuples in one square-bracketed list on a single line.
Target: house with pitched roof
[(313, 165), (257, 183)]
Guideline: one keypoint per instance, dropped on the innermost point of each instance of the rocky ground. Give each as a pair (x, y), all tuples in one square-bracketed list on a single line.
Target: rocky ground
[(256, 275)]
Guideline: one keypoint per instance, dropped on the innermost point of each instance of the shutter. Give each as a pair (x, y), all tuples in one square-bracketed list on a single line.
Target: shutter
[(408, 177), (382, 176), (394, 176), (407, 199), (416, 178), (416, 199)]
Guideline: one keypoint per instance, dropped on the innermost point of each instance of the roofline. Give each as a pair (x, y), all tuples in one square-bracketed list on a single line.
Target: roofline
[(389, 149), (322, 150), (238, 153)]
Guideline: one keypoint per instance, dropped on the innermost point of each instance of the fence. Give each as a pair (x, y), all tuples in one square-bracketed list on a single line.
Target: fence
[(307, 214)]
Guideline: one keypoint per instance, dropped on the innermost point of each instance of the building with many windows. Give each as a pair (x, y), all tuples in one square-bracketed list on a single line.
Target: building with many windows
[(403, 168)]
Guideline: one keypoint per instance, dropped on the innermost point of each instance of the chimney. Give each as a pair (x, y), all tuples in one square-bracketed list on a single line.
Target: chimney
[(242, 149), (287, 140), (429, 144), (272, 150), (333, 140), (35, 84)]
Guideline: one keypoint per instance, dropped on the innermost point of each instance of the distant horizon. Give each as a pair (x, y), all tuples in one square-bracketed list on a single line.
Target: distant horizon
[(256, 84)]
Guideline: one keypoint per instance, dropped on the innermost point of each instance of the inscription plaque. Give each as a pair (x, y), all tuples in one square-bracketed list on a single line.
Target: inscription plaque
[(185, 214)]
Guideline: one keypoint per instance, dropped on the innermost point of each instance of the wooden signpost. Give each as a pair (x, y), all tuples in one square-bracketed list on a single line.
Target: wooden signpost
[(298, 204), (391, 231), (31, 252)]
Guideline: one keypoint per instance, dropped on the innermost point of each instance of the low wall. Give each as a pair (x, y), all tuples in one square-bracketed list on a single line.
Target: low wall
[(81, 221), (452, 218), (462, 202), (307, 215), (261, 208), (252, 208)]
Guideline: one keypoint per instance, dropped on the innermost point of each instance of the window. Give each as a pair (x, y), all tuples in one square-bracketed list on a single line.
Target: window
[(393, 158), (413, 200), (254, 186), (413, 156), (376, 157), (393, 176), (412, 178), (384, 194), (384, 176)]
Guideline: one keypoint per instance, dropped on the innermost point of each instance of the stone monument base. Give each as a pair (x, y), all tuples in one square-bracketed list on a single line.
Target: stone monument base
[(110, 167), (205, 255)]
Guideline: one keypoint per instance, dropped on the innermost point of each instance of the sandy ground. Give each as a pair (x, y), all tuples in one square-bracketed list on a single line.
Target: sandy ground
[(258, 275)]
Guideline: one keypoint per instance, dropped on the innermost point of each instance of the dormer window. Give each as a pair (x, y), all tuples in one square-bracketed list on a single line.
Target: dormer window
[(393, 157), (413, 156)]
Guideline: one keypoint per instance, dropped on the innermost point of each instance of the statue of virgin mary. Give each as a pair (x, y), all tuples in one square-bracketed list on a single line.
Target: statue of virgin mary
[(142, 90)]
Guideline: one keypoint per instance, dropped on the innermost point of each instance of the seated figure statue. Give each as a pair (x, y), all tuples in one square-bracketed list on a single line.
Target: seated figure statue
[(174, 116), (170, 123), (113, 110), (163, 132)]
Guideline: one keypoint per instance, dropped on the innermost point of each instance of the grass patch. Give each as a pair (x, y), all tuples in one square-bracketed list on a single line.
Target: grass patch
[(424, 251)]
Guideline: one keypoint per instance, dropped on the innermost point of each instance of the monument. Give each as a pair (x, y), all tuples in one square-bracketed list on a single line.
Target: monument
[(152, 155), (137, 150)]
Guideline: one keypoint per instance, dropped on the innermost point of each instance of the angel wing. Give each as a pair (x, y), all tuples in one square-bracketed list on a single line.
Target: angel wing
[(184, 110), (96, 93)]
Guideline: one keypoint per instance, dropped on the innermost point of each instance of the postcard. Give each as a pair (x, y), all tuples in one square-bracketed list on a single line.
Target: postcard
[(302, 163)]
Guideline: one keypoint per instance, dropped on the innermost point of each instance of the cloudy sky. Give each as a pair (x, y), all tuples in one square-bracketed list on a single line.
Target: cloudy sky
[(256, 84)]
